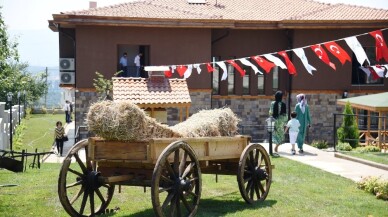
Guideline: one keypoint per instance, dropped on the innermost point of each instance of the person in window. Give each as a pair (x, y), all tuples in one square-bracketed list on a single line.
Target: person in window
[(124, 65), (278, 111), (58, 136), (303, 115), (137, 64)]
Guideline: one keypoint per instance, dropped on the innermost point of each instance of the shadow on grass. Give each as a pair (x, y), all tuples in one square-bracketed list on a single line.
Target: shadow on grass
[(213, 207)]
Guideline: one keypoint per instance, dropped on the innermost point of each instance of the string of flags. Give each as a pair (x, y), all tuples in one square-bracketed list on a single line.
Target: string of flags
[(267, 61)]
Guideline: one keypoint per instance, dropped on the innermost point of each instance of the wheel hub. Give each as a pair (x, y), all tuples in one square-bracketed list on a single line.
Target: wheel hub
[(91, 181), (183, 185), (260, 174)]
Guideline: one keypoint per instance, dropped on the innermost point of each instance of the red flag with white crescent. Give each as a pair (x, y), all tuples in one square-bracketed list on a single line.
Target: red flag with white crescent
[(263, 63), (236, 66), (181, 70), (381, 46), (321, 53), (338, 52), (209, 67), (290, 66)]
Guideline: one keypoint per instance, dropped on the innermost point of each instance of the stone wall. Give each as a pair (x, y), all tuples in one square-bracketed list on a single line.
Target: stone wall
[(253, 112)]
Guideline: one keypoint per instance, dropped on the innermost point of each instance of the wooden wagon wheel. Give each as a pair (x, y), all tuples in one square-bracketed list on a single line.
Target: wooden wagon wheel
[(254, 175), (79, 189), (176, 181)]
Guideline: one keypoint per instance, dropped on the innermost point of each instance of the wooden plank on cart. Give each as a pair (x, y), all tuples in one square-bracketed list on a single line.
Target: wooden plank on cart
[(100, 150)]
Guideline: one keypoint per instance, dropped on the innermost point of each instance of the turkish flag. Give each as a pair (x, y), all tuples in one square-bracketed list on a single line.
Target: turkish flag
[(321, 53), (290, 66), (236, 66), (338, 52), (209, 67), (181, 70), (381, 46), (263, 63), (168, 73)]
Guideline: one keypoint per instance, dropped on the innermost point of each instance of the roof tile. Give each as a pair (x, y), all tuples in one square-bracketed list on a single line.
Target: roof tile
[(147, 91)]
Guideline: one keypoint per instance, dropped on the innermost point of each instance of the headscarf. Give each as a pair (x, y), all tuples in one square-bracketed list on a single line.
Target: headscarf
[(301, 98), (278, 99)]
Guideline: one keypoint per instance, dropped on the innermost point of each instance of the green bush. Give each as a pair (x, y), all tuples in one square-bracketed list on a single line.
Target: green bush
[(320, 144), (374, 185), (348, 132), (344, 146), (369, 148)]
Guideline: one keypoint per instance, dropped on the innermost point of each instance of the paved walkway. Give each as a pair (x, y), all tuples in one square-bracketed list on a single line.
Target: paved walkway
[(54, 158), (327, 161), (314, 157)]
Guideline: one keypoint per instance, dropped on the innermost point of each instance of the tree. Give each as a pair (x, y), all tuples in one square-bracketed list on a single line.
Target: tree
[(348, 132), (14, 76), (103, 86)]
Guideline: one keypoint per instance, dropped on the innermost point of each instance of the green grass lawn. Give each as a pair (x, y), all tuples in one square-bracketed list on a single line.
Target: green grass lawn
[(39, 132), (377, 157), (297, 190)]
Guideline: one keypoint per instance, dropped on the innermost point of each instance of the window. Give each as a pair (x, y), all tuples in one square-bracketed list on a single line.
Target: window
[(216, 77), (246, 80), (275, 78), (359, 77), (230, 69), (260, 83)]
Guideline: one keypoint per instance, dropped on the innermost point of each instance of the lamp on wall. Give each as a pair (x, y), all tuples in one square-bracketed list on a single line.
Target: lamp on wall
[(9, 98), (345, 94), (270, 128)]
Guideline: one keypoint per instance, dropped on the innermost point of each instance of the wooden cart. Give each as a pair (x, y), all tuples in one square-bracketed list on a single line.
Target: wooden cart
[(171, 167)]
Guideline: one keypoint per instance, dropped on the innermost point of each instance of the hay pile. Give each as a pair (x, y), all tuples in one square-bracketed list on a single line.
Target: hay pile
[(125, 121), (207, 123)]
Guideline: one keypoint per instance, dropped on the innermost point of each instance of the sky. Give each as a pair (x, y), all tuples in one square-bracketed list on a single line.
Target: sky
[(27, 23)]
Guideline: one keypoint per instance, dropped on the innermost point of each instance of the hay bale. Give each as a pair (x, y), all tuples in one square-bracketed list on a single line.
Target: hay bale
[(208, 123), (124, 121)]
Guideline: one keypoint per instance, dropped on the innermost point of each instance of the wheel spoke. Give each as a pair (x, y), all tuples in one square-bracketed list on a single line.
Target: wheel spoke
[(248, 188), (176, 162), (169, 169), (187, 205), (178, 205), (257, 190), (76, 172), (168, 200), (248, 179), (173, 206), (192, 194), (98, 192), (91, 201), (261, 187), (188, 169), (74, 184), (77, 196), (251, 159), (164, 178), (182, 163), (252, 190), (84, 199), (80, 163), (256, 157), (161, 190)]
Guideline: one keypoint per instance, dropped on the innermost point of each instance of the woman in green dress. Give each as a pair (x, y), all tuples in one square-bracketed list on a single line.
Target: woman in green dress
[(278, 111), (303, 115)]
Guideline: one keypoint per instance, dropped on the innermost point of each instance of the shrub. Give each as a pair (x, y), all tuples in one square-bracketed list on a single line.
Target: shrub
[(369, 148), (348, 132), (374, 185), (320, 144), (344, 146)]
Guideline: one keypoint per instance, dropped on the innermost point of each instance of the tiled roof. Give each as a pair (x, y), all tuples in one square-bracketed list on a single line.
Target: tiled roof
[(247, 10), (142, 91)]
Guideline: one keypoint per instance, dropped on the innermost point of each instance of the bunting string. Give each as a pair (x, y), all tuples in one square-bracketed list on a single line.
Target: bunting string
[(269, 60)]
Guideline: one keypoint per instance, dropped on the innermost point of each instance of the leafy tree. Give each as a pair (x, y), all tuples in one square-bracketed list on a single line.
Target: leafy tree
[(348, 132), (14, 76), (103, 85)]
